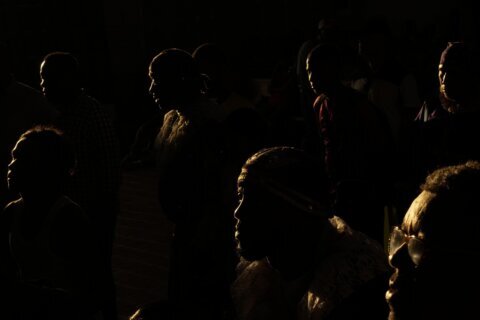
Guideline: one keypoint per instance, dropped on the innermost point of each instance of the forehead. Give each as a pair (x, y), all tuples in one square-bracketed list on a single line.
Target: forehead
[(158, 72), (43, 67), (21, 148), (151, 72), (412, 222)]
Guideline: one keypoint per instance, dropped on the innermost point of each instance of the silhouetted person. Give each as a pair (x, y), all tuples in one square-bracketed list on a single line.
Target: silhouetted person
[(300, 261), (21, 107), (52, 249), (189, 161), (436, 275), (86, 123), (450, 136), (243, 129), (356, 141), (222, 83), (327, 32)]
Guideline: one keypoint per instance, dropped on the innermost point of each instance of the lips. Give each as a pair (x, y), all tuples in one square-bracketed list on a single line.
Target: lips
[(400, 294), (391, 296)]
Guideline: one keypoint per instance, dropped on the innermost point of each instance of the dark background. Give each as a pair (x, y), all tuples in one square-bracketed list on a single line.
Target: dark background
[(115, 40)]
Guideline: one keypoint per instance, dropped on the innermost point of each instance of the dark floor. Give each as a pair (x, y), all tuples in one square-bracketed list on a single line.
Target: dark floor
[(140, 257)]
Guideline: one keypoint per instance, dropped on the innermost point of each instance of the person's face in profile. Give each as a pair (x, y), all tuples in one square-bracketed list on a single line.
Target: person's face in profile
[(452, 81), (253, 229), (321, 75), (22, 173), (163, 89), (429, 266), (56, 86), (155, 88)]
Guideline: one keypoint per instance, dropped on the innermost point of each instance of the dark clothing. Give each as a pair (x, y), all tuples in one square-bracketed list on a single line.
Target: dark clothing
[(53, 261), (355, 135), (190, 171), (444, 140), (358, 152), (90, 128), (95, 184)]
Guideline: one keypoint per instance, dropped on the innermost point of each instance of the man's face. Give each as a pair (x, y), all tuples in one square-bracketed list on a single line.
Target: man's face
[(55, 86), (452, 81), (321, 76), (162, 89), (429, 286), (154, 89)]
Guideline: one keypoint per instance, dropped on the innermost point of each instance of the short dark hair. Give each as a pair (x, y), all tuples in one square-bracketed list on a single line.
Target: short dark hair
[(462, 179), (56, 148), (456, 204), (63, 63)]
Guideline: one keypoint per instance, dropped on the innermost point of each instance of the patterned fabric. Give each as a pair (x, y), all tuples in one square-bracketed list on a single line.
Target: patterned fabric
[(259, 292), (91, 131)]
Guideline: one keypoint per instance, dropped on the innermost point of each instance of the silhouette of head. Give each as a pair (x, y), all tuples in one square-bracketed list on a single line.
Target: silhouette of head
[(329, 30), (213, 62), (42, 161), (434, 250), (60, 77), (175, 79), (279, 187), (456, 72), (324, 68), (211, 59)]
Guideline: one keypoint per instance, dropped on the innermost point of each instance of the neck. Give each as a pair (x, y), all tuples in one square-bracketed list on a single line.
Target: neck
[(298, 253)]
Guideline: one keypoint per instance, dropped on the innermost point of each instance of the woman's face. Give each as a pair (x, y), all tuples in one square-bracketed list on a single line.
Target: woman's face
[(254, 225)]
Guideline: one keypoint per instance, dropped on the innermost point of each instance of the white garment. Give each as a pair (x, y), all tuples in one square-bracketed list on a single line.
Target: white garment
[(259, 292)]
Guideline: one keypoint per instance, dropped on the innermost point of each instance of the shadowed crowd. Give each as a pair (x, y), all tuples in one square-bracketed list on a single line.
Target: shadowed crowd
[(343, 193)]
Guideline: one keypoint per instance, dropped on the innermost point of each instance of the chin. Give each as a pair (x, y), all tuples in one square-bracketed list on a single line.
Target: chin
[(392, 316), (250, 255)]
